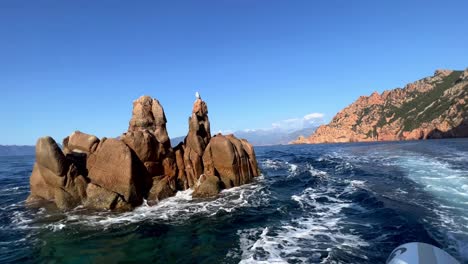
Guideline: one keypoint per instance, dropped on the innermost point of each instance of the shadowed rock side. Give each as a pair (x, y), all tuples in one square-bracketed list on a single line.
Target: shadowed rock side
[(230, 160), (118, 173), (433, 107)]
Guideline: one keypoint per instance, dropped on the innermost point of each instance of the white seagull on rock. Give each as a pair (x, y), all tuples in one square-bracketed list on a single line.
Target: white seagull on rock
[(197, 95)]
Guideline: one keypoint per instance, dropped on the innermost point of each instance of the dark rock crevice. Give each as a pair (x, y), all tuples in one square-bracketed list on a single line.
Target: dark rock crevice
[(459, 131)]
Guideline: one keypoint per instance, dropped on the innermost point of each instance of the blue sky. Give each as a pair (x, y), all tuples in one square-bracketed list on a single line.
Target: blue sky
[(68, 65)]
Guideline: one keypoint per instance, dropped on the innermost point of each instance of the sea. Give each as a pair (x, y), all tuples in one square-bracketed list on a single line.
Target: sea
[(335, 203)]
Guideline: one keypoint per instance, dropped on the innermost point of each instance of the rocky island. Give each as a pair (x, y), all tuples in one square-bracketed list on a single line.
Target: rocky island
[(433, 107), (119, 173)]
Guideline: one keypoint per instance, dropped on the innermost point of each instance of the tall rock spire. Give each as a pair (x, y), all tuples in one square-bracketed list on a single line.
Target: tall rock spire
[(197, 139)]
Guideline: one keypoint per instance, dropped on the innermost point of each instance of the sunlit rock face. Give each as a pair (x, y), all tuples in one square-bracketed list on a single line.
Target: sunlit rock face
[(433, 107), (120, 173)]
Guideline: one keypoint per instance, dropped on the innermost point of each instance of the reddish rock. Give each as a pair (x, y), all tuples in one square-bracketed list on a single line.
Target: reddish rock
[(163, 187), (142, 116), (65, 200), (182, 181), (82, 142), (221, 155), (200, 108), (72, 194), (122, 205), (51, 178), (116, 174), (249, 149), (158, 114), (402, 114), (50, 156), (100, 198), (143, 143), (51, 162), (147, 137), (160, 121), (148, 114), (207, 186), (244, 171), (170, 166), (54, 178), (76, 183), (65, 148), (195, 143), (227, 158), (111, 167), (442, 72), (193, 166), (39, 188), (154, 168), (300, 140)]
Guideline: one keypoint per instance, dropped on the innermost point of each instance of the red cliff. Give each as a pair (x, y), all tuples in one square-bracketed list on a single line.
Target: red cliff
[(433, 107)]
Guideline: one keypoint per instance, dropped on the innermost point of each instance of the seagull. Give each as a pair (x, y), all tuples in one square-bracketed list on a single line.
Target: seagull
[(197, 95)]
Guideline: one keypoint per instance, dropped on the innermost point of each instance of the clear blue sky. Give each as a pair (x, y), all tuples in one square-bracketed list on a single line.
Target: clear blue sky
[(68, 65)]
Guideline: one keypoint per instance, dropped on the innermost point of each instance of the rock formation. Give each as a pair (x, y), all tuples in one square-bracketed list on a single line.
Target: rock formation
[(433, 107), (231, 159), (118, 173), (197, 139)]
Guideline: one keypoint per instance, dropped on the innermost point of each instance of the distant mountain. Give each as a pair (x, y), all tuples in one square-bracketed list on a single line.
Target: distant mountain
[(301, 133), (265, 137), (13, 150), (175, 141), (433, 107)]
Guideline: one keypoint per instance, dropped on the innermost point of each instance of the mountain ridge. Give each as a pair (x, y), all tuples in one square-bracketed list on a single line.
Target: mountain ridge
[(265, 137), (432, 107)]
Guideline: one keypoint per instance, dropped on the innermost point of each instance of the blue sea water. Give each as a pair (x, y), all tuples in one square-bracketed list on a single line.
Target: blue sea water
[(342, 203)]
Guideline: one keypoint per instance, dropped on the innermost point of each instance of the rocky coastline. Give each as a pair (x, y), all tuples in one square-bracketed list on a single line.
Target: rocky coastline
[(430, 108)]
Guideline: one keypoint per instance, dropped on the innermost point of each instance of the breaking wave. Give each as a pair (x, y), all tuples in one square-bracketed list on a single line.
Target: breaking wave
[(351, 203)]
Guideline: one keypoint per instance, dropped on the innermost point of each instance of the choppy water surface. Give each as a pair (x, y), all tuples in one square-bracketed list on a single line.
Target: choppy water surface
[(348, 203)]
